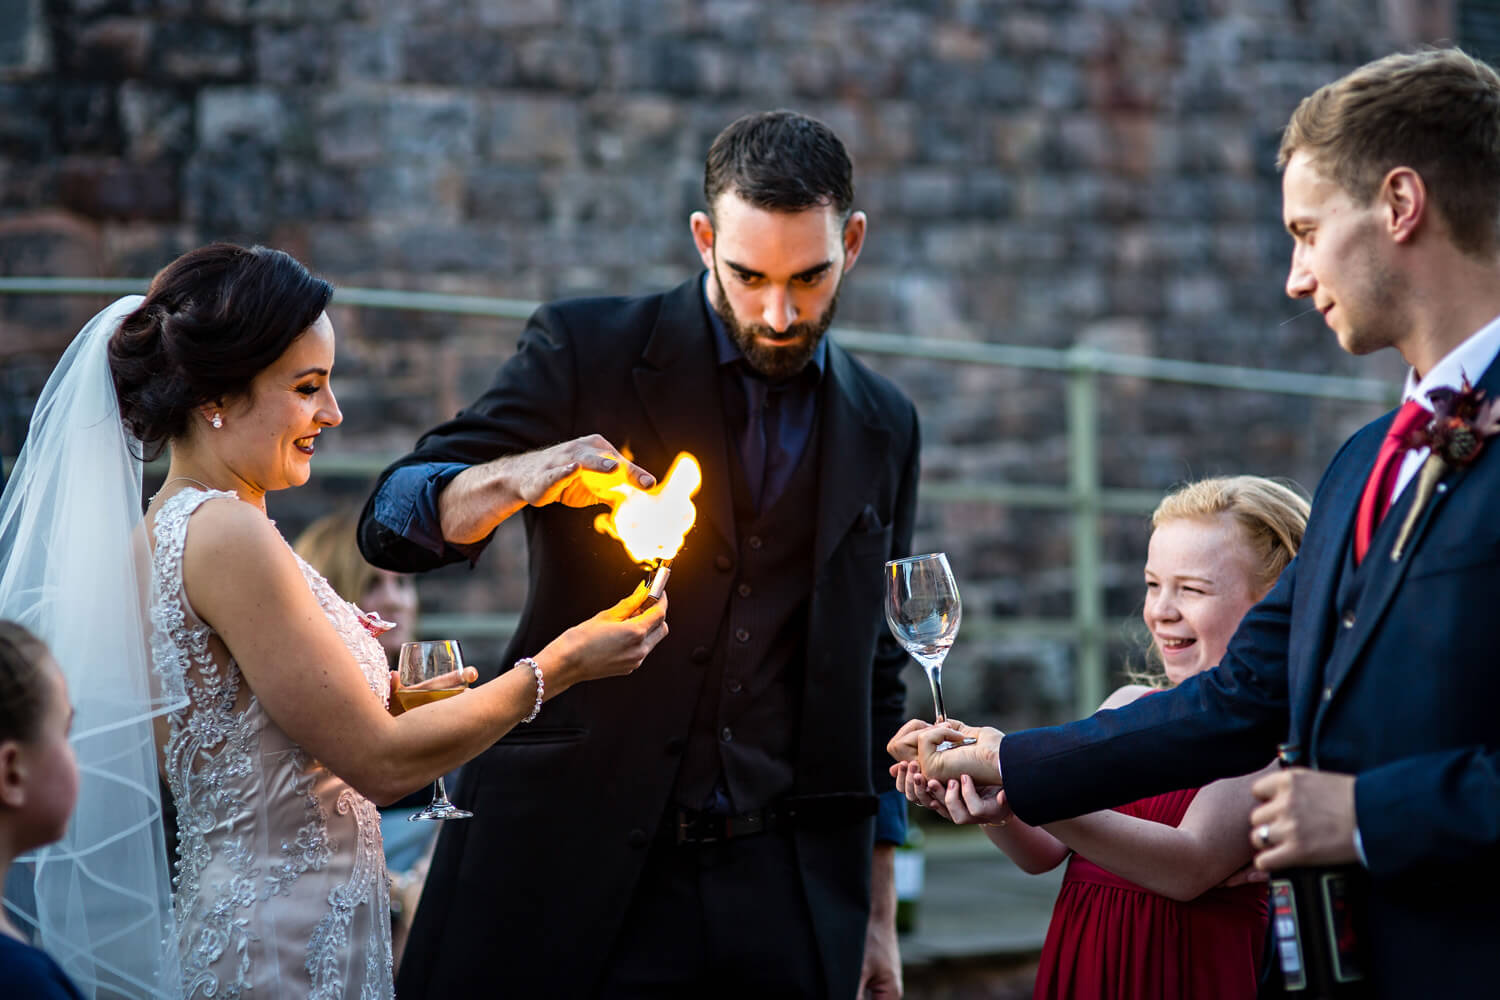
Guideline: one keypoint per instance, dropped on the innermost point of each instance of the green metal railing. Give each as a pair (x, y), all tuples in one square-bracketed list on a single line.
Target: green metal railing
[(1084, 497)]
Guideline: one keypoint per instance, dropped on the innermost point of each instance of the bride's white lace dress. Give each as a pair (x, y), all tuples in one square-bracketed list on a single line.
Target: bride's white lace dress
[(280, 885)]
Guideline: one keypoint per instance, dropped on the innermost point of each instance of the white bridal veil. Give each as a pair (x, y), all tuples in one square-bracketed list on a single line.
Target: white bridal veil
[(74, 569)]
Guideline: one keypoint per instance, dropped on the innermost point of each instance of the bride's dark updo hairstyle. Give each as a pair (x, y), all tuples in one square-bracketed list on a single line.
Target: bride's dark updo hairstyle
[(213, 319)]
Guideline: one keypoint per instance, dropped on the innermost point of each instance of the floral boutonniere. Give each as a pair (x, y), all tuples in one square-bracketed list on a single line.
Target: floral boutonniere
[(1461, 421)]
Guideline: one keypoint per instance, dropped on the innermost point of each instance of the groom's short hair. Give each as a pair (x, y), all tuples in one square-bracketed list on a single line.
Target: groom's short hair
[(1436, 111)]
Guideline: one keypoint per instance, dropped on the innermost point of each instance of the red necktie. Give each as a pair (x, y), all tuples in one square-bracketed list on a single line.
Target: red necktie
[(1376, 498)]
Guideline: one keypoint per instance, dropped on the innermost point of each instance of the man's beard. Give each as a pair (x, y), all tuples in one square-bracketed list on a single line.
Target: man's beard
[(776, 361)]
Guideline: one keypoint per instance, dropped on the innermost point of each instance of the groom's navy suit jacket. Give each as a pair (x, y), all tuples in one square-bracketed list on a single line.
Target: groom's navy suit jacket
[(1398, 684)]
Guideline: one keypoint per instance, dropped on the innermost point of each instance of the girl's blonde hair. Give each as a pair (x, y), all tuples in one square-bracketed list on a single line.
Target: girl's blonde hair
[(1271, 515)]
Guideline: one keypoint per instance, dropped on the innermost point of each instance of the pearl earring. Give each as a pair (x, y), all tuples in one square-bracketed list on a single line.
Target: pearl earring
[(217, 421)]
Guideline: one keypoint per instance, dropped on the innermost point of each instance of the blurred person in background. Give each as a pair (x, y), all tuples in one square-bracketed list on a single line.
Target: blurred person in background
[(329, 546), (1142, 911)]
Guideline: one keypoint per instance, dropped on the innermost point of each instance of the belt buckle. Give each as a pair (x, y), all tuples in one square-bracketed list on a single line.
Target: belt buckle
[(698, 828), (744, 824)]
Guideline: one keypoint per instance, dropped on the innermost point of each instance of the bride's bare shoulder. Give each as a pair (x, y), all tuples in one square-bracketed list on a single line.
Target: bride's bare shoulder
[(229, 537)]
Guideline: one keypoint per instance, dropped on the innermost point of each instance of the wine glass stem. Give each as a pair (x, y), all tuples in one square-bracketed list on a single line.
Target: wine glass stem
[(440, 796), (934, 679)]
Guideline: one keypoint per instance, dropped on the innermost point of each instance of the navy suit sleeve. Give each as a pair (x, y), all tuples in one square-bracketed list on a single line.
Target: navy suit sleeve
[(1222, 722), (888, 691), (529, 405)]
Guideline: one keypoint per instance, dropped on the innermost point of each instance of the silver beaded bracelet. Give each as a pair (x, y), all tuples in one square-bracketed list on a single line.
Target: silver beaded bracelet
[(536, 669)]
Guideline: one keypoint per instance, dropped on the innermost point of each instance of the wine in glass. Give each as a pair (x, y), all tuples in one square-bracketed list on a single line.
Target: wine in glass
[(427, 672), (923, 610)]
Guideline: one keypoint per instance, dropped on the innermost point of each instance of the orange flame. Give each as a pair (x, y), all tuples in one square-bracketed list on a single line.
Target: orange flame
[(651, 524)]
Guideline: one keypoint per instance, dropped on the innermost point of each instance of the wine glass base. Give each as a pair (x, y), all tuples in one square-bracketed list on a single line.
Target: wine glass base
[(950, 744), (439, 813)]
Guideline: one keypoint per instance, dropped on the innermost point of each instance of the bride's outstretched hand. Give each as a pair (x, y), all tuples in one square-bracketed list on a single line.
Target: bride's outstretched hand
[(980, 759), (614, 641)]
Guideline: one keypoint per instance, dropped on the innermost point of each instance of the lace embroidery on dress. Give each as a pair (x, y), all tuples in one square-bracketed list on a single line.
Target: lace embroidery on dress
[(368, 877), (210, 754)]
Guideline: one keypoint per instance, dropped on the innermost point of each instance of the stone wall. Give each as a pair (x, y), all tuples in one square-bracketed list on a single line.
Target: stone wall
[(1040, 173)]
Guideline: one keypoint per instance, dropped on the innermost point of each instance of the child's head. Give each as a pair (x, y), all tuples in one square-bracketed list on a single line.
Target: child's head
[(38, 775)]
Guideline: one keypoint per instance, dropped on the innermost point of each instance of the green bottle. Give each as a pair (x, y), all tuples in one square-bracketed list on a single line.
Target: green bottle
[(909, 871)]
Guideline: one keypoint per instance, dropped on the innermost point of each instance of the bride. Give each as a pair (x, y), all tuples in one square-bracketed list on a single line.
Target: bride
[(267, 693)]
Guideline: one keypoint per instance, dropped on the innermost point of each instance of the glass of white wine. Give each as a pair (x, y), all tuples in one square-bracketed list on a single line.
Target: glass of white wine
[(923, 609), (427, 672)]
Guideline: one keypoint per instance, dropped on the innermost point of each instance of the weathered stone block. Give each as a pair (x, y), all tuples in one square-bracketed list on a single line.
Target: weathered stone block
[(520, 14), (411, 193), (24, 44), (433, 126), (112, 48), (27, 111), (364, 53), (87, 118), (157, 122), (307, 192), (226, 192), (563, 62), (505, 193), (109, 188), (195, 51), (442, 55), (294, 55), (523, 128), (232, 116), (349, 127)]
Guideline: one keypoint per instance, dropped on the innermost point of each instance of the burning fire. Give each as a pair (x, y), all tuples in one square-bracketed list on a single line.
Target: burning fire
[(651, 524)]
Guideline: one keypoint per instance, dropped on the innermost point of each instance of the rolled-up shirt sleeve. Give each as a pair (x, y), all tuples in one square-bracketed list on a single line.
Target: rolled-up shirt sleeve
[(407, 505)]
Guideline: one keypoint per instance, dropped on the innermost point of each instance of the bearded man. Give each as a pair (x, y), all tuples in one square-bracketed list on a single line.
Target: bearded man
[(719, 823)]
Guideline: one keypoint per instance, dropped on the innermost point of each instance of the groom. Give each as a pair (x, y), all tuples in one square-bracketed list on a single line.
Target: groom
[(1375, 654)]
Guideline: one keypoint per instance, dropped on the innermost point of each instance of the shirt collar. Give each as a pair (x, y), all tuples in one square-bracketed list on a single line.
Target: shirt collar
[(727, 352), (1470, 359)]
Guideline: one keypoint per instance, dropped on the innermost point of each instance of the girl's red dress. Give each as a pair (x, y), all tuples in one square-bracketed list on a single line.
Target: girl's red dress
[(1111, 938)]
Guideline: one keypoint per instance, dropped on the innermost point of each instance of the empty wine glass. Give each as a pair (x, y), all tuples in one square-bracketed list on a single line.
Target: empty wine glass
[(430, 671), (922, 608)]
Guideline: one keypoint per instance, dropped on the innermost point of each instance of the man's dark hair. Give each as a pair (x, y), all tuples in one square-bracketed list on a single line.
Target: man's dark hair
[(780, 161)]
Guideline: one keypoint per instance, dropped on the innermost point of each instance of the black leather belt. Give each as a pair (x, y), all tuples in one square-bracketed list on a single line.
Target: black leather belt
[(690, 826), (693, 827)]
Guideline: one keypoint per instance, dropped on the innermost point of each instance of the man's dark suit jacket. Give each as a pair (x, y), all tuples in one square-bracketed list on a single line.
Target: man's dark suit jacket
[(526, 898), (1400, 689)]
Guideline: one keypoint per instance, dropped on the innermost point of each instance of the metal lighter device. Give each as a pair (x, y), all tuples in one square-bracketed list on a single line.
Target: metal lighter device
[(658, 585)]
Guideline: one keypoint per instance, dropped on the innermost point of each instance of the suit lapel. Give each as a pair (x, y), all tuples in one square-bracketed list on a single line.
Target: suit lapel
[(1384, 573), (854, 443), (679, 392)]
